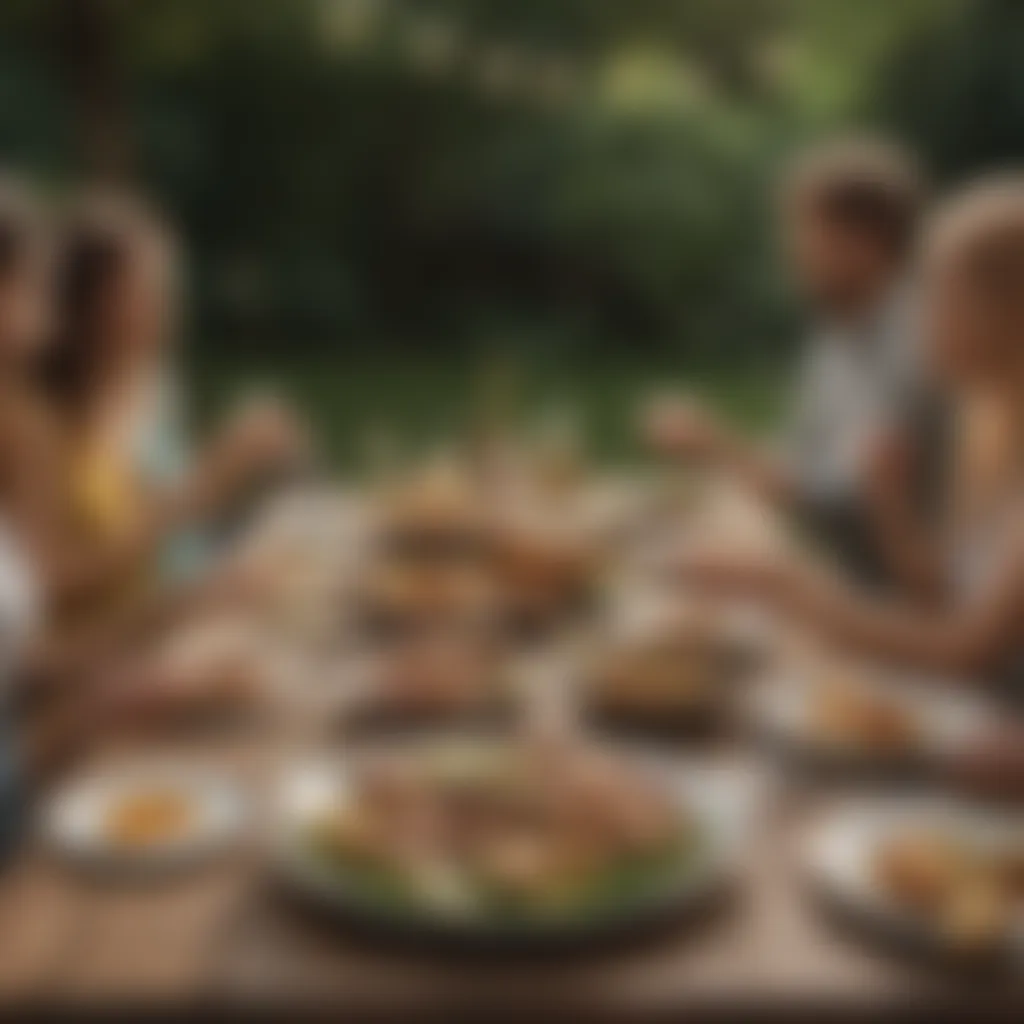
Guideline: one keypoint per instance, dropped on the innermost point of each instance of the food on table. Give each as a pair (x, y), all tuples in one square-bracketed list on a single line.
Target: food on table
[(440, 511), (400, 594), (847, 715), (213, 665), (150, 818), (435, 675), (675, 669), (953, 880), (540, 569), (1010, 865), (920, 868), (977, 915), (507, 832)]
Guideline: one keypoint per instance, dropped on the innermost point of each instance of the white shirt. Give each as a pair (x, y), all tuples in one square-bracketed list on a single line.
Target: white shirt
[(20, 608), (856, 381)]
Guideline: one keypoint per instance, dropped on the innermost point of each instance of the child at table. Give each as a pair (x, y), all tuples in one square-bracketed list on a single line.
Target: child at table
[(973, 329), (850, 212)]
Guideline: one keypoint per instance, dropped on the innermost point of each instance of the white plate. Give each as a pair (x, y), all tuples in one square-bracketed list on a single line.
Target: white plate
[(722, 799), (74, 820), (839, 852), (947, 720)]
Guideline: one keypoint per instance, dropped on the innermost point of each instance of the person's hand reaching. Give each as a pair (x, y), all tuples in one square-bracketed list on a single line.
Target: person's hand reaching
[(263, 440), (681, 427), (265, 436)]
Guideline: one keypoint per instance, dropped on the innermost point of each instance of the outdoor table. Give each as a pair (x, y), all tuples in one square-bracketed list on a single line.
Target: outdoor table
[(228, 934)]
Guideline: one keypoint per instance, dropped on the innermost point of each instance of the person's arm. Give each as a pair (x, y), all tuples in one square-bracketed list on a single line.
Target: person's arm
[(684, 429), (968, 640), (70, 571), (905, 535), (262, 438)]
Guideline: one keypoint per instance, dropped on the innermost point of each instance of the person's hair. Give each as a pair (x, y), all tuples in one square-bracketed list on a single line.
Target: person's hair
[(22, 227), (861, 184), (979, 235), (99, 241)]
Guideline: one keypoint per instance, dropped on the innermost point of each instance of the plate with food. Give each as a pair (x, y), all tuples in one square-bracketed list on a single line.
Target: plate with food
[(398, 598), (438, 513), (434, 679), (860, 721), (506, 842), (944, 876), (666, 669), (545, 567), (146, 817)]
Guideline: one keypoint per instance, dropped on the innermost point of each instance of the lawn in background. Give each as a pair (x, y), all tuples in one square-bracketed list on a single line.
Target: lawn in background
[(421, 401)]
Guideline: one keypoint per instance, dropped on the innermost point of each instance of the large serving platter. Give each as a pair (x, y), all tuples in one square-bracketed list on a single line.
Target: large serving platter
[(721, 803)]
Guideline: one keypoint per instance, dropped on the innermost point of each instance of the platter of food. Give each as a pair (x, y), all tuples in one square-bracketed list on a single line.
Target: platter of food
[(511, 842), (666, 672), (427, 680)]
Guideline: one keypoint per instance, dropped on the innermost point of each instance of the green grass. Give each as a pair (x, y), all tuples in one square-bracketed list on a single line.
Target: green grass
[(421, 401)]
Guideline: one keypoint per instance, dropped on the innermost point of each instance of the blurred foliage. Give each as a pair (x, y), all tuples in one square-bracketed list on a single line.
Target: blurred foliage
[(567, 175)]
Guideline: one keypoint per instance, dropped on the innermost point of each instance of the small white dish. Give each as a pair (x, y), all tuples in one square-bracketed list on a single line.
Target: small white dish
[(77, 821)]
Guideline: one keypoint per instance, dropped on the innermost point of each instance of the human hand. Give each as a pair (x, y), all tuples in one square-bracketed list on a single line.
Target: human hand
[(681, 426), (263, 437)]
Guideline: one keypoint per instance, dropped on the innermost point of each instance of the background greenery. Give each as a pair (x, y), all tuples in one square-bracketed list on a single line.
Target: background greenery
[(377, 194)]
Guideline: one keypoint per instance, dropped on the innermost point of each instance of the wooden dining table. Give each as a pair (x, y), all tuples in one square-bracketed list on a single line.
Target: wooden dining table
[(228, 933)]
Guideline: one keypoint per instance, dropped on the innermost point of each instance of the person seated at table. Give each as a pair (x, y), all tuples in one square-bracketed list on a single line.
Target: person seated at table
[(71, 491), (110, 376), (29, 464), (973, 328), (850, 212), (83, 516), (24, 268)]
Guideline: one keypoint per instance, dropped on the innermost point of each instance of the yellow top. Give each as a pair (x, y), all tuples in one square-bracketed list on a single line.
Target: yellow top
[(104, 497), (105, 507)]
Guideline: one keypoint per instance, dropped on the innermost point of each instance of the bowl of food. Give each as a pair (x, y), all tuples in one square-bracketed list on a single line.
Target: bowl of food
[(506, 842), (663, 668), (544, 568), (438, 514), (427, 680), (142, 818), (397, 599), (942, 876)]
